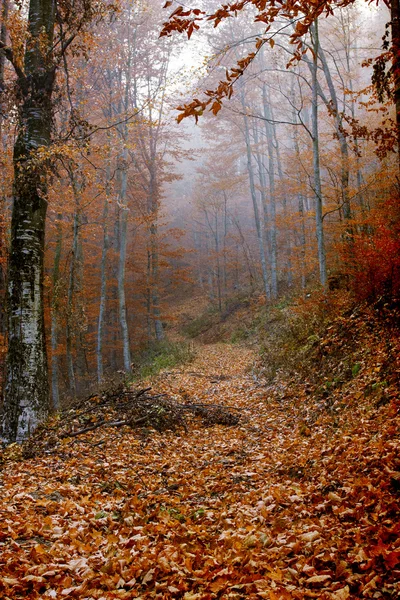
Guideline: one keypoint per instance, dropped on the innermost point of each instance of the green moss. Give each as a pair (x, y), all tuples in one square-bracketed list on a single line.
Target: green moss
[(355, 369)]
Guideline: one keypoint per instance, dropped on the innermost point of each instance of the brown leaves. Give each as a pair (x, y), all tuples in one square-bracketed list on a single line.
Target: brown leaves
[(258, 510)]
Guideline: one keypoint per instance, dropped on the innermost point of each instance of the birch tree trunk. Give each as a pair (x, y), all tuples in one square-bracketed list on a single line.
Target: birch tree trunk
[(26, 399)]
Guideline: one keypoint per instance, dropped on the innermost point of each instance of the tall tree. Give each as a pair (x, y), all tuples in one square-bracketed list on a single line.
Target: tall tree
[(26, 400), (26, 391)]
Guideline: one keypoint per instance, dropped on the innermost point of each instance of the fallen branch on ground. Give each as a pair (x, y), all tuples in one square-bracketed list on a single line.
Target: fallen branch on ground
[(128, 408)]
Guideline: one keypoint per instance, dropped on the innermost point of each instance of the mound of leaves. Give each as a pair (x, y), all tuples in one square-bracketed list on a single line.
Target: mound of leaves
[(123, 407)]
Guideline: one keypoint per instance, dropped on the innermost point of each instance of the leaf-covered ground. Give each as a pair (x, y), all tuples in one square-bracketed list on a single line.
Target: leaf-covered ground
[(300, 500)]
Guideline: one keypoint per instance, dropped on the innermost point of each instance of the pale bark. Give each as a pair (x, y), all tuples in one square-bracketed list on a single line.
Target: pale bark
[(300, 207), (288, 242), (344, 149), (316, 162), (123, 217), (256, 210), (272, 195), (215, 234), (123, 224)]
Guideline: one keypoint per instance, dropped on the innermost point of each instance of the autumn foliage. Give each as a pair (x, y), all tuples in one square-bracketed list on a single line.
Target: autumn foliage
[(374, 261)]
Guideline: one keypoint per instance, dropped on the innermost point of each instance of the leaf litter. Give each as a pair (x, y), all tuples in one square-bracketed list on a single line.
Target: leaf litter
[(279, 506)]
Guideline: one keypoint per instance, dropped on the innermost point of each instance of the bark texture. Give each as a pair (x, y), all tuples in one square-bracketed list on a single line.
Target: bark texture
[(26, 400)]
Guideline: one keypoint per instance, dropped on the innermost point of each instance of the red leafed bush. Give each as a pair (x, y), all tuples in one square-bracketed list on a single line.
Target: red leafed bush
[(373, 255)]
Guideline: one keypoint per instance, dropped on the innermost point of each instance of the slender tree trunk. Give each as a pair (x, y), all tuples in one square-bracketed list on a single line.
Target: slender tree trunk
[(3, 142), (344, 149), (246, 253), (260, 236), (154, 247), (103, 287), (26, 400), (225, 274), (272, 195), (70, 314), (155, 276), (301, 208), (316, 165), (395, 25), (216, 237), (284, 201), (54, 314), (3, 40), (123, 320)]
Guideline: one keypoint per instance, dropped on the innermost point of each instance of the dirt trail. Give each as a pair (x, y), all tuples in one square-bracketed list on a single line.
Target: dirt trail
[(265, 509)]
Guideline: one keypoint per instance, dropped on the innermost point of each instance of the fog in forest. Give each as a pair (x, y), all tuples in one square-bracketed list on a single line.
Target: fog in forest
[(251, 196)]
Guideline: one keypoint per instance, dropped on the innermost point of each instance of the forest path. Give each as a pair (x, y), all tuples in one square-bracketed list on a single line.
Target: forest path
[(263, 509)]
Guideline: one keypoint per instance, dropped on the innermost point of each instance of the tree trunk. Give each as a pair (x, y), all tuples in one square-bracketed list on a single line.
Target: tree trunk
[(3, 40), (123, 320), (260, 236), (395, 25), (103, 289), (316, 165), (272, 198), (54, 314), (344, 149), (287, 232), (71, 314), (26, 400), (154, 249)]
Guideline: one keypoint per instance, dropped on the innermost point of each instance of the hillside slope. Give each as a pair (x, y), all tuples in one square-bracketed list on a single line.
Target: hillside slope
[(300, 499)]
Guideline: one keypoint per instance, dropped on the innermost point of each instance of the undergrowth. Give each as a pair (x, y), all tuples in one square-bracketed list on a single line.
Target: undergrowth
[(326, 342), (214, 323), (166, 354)]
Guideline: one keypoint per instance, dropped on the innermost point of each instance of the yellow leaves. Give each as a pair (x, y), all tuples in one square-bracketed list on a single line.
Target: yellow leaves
[(17, 29)]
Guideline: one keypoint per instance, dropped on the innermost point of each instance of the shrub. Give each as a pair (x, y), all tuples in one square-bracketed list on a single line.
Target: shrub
[(374, 261), (160, 355)]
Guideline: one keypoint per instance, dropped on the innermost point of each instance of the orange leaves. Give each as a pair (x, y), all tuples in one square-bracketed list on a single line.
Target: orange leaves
[(216, 107), (256, 510), (301, 29), (215, 97), (182, 20)]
